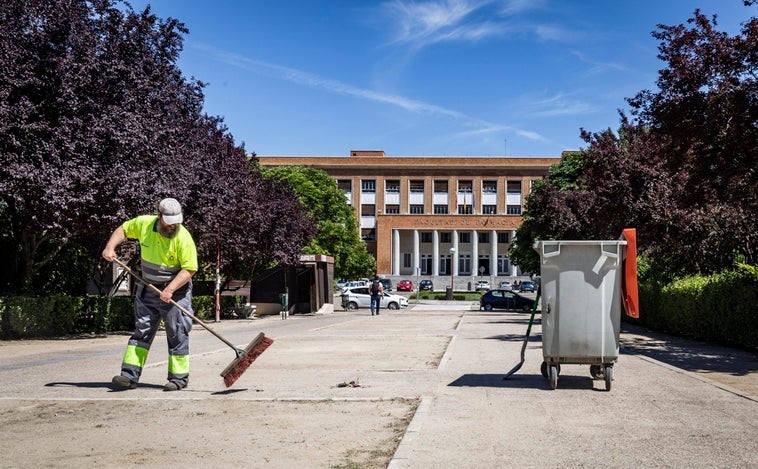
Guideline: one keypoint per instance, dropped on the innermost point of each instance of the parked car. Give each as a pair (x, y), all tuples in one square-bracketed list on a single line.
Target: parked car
[(354, 283), (527, 286), (405, 285), (426, 284), (386, 284), (359, 297), (506, 285), (482, 285), (505, 299), (341, 283)]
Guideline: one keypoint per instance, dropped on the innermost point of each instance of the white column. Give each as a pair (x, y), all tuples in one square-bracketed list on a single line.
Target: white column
[(474, 253), (454, 260), (395, 252), (493, 253), (514, 271), (435, 253), (416, 252)]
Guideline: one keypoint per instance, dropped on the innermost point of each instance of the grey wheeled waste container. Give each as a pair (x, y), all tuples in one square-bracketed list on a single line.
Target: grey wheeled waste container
[(581, 305)]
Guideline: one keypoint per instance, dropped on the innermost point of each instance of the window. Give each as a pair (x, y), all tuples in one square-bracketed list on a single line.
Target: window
[(426, 264), (464, 237), (445, 237), (368, 186), (345, 185), (392, 186), (503, 265), (426, 237), (368, 234), (407, 259), (440, 187), (484, 237), (513, 198), (465, 186), (440, 209), (502, 238), (417, 208), (489, 209), (464, 264), (368, 210), (514, 187), (467, 209), (489, 187), (417, 186), (392, 209)]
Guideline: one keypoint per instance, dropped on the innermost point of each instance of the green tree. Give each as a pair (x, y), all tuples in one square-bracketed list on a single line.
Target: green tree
[(337, 230)]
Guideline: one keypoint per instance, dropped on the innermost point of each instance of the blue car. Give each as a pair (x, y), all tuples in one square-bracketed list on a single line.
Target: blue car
[(527, 286)]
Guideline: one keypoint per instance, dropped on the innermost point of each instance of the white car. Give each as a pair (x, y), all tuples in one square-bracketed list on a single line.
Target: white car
[(482, 285), (506, 285), (359, 297), (353, 284)]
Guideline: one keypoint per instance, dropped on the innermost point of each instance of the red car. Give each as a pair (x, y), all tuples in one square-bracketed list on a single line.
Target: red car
[(404, 285)]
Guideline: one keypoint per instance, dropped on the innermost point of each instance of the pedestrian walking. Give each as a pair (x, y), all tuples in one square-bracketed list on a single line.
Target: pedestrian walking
[(169, 260), (376, 289)]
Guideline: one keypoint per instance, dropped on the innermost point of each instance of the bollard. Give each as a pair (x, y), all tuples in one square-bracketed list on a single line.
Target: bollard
[(284, 311)]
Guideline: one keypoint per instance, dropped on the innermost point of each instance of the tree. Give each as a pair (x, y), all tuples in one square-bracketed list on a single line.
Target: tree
[(337, 229), (97, 123), (705, 114), (682, 170)]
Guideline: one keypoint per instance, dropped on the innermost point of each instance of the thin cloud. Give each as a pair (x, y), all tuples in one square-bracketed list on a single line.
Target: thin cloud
[(421, 24), (561, 105), (310, 80), (599, 67), (314, 81)]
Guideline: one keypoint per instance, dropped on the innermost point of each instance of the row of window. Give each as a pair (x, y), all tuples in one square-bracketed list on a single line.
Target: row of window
[(464, 237), (465, 266), (369, 210), (416, 186)]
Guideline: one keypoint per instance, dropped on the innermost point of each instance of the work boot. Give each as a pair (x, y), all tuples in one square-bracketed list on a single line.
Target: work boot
[(173, 386), (123, 382)]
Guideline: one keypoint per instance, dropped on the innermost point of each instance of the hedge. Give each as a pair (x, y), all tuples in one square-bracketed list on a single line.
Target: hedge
[(721, 308), (60, 315)]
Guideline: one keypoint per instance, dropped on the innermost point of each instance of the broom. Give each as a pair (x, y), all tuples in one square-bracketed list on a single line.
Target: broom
[(244, 359)]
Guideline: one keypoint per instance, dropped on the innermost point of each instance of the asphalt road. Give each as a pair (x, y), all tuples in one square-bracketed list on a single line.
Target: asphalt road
[(418, 388)]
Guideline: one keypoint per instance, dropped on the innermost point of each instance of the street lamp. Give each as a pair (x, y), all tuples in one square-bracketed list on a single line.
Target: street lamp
[(452, 270)]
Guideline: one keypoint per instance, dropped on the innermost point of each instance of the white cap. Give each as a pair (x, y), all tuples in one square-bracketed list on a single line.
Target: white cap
[(171, 211)]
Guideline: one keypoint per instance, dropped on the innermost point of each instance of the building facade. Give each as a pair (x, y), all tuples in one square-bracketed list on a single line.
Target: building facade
[(433, 216)]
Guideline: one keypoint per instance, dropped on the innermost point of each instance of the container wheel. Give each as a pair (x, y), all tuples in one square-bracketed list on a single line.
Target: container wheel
[(608, 377), (553, 376), (597, 371), (352, 305), (543, 369)]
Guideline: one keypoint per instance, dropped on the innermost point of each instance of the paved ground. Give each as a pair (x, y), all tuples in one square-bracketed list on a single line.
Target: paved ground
[(421, 388)]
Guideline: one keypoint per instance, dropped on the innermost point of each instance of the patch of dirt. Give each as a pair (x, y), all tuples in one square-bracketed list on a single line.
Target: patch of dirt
[(222, 433)]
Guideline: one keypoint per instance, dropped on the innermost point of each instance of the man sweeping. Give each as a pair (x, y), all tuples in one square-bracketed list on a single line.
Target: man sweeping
[(169, 260)]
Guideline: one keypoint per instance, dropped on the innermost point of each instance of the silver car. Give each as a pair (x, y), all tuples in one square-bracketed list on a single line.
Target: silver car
[(359, 297)]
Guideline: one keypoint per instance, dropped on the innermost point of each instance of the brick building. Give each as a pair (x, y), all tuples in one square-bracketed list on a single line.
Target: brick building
[(434, 216)]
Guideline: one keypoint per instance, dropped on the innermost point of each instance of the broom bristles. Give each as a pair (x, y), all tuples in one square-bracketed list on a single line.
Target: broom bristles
[(240, 364)]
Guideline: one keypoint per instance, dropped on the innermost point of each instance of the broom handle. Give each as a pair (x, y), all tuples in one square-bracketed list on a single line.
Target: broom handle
[(181, 308)]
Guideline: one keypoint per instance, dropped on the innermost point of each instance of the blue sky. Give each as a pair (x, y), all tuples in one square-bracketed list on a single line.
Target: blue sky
[(424, 77)]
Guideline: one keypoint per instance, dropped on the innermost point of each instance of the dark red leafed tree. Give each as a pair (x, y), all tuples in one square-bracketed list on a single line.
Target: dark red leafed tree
[(96, 124), (682, 170)]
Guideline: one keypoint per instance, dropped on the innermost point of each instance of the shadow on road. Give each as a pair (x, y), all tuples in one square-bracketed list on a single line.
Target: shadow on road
[(687, 354)]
